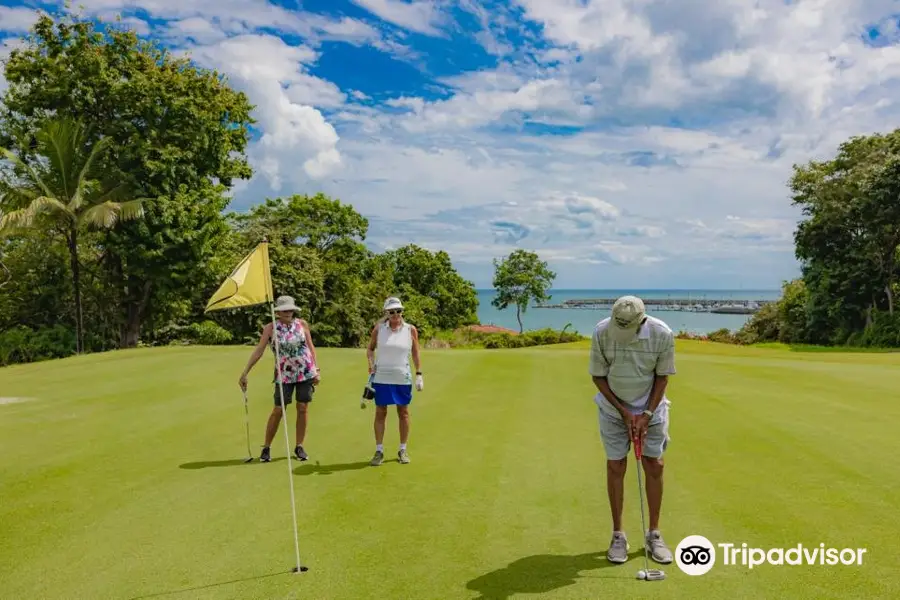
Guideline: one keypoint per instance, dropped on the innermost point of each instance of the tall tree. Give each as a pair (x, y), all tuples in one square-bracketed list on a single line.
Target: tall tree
[(318, 256), (880, 207), (848, 241), (63, 192), (520, 278), (176, 131), (432, 275)]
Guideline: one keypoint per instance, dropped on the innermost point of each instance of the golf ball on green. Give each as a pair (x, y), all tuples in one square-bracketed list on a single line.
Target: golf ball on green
[(642, 574)]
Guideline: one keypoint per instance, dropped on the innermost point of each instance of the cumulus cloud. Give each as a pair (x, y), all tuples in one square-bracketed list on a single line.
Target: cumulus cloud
[(418, 15), (633, 139), (275, 76), (17, 19)]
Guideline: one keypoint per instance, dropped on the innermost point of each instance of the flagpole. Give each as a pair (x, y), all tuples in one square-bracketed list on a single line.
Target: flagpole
[(287, 441)]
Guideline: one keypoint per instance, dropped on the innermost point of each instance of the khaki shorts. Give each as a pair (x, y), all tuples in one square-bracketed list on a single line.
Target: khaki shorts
[(617, 439)]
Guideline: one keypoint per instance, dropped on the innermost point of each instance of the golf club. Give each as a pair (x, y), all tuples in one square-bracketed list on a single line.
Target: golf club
[(648, 573), (247, 427)]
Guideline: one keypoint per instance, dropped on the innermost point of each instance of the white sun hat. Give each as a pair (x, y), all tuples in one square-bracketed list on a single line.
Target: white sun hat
[(285, 303), (393, 303)]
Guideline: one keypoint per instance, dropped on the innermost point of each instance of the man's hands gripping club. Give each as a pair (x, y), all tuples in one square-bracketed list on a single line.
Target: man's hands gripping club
[(636, 424)]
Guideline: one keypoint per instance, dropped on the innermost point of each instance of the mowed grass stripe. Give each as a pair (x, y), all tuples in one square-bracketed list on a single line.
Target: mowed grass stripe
[(121, 494)]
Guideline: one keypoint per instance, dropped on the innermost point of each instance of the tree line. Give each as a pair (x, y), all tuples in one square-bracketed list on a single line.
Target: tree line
[(119, 159), (113, 194), (848, 244), (118, 163)]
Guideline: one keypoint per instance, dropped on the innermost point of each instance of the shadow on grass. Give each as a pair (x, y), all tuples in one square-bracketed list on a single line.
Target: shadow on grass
[(318, 469), (544, 573), (223, 463), (210, 586)]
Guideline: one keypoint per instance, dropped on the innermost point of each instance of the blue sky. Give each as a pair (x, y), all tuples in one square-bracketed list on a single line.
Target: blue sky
[(642, 144)]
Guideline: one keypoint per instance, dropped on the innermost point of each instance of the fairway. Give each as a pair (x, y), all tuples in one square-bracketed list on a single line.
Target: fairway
[(123, 477)]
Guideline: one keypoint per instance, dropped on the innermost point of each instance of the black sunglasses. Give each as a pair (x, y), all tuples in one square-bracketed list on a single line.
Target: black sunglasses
[(398, 311)]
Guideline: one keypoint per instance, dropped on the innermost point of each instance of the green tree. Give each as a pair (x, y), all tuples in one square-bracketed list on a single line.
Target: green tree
[(319, 258), (176, 131), (432, 275), (63, 193), (520, 278), (792, 313), (317, 221), (880, 205), (38, 288), (849, 237)]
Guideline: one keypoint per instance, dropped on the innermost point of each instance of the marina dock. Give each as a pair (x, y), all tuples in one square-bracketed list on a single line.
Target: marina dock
[(710, 305)]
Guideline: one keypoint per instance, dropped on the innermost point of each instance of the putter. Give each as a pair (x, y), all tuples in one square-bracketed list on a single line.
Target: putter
[(247, 427), (648, 573)]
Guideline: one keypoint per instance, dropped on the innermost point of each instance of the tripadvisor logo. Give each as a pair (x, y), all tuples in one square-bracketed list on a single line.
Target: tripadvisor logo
[(696, 555)]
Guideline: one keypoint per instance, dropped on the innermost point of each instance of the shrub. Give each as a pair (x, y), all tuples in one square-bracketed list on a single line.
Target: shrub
[(884, 332), (722, 336), (764, 325), (25, 345), (206, 333), (496, 340)]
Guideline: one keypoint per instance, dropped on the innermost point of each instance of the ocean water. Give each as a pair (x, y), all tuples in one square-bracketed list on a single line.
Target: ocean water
[(584, 320)]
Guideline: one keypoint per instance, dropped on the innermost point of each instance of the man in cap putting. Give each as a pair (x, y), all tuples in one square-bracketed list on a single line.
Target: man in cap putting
[(632, 356)]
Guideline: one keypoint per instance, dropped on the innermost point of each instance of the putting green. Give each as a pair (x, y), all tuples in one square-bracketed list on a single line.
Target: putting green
[(123, 477)]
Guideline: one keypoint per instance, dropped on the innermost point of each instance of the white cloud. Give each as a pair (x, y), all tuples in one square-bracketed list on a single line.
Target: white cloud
[(421, 16), (195, 29), (17, 19), (274, 76), (694, 112)]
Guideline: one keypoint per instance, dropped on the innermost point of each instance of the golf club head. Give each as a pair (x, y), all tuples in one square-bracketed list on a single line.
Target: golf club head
[(249, 459), (655, 575)]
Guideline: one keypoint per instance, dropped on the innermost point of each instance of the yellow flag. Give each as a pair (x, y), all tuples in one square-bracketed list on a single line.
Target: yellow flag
[(248, 285)]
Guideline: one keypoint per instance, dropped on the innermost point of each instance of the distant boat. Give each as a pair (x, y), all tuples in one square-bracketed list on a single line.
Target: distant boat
[(732, 309)]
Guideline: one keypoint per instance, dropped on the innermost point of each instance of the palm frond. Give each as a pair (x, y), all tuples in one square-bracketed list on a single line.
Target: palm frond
[(16, 219), (81, 186), (35, 178), (26, 217), (12, 197), (103, 215), (109, 194), (131, 210), (106, 214), (60, 141)]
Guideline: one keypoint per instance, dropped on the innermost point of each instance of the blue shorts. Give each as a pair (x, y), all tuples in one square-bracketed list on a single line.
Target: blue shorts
[(392, 393)]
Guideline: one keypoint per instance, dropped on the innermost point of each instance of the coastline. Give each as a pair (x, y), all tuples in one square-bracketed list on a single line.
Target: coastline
[(584, 318)]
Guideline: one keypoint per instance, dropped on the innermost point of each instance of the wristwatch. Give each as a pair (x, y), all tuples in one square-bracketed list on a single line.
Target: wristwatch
[(649, 413)]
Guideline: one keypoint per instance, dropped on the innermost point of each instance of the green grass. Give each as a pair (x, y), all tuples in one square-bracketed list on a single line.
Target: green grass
[(122, 478)]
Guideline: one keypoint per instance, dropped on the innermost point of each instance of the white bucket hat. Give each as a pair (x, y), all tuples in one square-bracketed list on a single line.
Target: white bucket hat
[(627, 315), (393, 303), (285, 303)]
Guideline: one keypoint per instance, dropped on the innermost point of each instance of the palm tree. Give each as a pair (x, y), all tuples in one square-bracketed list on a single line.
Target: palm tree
[(61, 192)]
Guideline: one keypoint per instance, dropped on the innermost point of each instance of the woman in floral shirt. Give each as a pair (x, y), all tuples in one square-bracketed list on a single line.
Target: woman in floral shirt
[(298, 369)]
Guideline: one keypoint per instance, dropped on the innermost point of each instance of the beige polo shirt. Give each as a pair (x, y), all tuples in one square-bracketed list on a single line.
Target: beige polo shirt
[(631, 368)]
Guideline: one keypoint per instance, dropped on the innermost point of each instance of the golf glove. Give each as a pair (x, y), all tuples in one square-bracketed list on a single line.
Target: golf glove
[(420, 383)]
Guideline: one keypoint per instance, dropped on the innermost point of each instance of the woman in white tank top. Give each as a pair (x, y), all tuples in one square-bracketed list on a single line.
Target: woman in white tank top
[(393, 341)]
